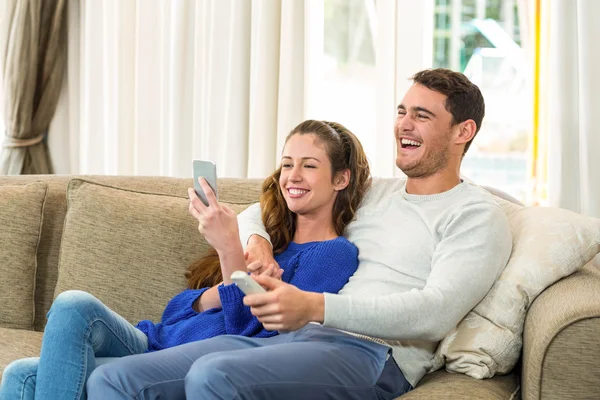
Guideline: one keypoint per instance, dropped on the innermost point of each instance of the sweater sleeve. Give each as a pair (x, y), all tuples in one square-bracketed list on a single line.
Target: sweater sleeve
[(327, 267), (250, 223), (238, 318), (180, 306), (473, 250)]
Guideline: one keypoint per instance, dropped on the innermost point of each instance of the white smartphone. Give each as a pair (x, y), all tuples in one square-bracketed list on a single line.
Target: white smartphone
[(207, 170), (246, 284)]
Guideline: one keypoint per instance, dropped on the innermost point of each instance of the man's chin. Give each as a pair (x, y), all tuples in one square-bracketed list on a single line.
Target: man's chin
[(404, 165)]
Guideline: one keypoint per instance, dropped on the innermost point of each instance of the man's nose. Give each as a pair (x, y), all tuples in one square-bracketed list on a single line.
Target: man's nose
[(405, 124)]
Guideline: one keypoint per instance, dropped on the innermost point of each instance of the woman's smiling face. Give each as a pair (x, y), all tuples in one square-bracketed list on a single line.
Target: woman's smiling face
[(306, 180)]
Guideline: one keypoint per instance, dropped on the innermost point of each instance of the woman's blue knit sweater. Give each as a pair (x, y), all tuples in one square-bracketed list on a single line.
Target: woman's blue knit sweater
[(315, 267)]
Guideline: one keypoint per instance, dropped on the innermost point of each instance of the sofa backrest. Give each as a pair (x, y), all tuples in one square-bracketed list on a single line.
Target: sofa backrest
[(230, 190)]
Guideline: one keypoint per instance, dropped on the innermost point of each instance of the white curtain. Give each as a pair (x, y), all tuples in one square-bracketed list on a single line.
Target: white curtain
[(153, 84), (573, 125)]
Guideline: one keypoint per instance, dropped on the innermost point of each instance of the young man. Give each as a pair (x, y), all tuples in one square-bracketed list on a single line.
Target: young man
[(430, 248)]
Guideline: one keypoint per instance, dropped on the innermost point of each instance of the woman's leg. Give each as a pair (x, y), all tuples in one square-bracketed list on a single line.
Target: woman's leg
[(80, 328), (18, 380)]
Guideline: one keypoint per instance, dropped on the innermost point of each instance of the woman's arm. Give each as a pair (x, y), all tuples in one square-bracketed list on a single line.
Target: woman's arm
[(181, 306), (218, 223)]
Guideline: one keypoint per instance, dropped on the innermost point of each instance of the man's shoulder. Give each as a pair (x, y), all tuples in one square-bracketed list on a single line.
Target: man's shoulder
[(476, 202), (475, 194), (383, 187)]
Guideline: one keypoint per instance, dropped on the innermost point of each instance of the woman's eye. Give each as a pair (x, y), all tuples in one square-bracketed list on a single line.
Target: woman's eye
[(309, 166), (286, 165)]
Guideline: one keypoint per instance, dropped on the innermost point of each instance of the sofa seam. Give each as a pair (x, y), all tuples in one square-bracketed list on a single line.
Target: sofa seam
[(73, 180), (37, 247)]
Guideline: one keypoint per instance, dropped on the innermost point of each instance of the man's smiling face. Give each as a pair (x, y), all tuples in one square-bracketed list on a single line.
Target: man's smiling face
[(423, 131)]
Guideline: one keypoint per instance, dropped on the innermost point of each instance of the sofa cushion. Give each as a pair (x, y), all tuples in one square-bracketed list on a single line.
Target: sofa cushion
[(442, 385), (128, 248), (21, 216), (548, 244), (18, 343)]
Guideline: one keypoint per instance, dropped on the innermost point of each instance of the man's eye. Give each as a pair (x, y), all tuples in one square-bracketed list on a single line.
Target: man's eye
[(401, 112), (422, 116)]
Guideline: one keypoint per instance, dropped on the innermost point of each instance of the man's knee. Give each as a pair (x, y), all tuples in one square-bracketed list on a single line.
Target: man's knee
[(103, 380), (211, 374)]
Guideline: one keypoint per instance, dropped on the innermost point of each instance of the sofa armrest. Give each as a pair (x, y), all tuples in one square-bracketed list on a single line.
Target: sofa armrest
[(561, 343)]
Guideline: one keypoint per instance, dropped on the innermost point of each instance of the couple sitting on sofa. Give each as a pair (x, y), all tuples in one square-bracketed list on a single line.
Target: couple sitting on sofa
[(427, 257)]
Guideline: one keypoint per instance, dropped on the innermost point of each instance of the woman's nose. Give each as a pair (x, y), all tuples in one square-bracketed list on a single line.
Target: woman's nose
[(296, 174)]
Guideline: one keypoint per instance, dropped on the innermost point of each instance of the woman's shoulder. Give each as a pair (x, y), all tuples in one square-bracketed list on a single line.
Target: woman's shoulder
[(339, 244)]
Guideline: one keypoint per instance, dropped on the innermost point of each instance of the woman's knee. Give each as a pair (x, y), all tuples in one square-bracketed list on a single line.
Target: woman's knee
[(73, 301), (21, 372), (22, 367)]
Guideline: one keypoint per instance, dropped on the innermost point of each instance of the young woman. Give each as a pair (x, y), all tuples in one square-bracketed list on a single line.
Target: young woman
[(307, 204)]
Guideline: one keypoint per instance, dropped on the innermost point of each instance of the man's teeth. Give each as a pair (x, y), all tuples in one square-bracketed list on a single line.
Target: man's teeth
[(297, 191), (409, 142)]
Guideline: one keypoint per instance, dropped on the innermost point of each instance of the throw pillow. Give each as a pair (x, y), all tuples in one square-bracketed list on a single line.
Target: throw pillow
[(130, 249), (548, 244), (21, 216)]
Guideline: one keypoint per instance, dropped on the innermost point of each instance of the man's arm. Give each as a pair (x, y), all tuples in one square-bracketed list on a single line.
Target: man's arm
[(250, 223), (257, 241), (474, 250)]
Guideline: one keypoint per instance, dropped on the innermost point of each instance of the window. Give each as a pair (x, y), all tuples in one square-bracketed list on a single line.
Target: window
[(344, 79), (483, 39), (487, 40)]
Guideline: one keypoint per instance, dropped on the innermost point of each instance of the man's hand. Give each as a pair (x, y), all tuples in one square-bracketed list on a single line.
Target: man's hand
[(259, 249), (285, 307)]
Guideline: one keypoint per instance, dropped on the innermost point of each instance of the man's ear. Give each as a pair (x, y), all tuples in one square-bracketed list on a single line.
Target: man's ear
[(466, 131), (341, 180)]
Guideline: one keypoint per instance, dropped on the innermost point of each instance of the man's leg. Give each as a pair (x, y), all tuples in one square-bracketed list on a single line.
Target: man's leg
[(161, 374), (18, 380), (318, 363), (80, 328)]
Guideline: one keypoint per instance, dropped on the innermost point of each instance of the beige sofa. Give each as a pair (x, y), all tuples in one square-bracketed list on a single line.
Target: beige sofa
[(128, 240)]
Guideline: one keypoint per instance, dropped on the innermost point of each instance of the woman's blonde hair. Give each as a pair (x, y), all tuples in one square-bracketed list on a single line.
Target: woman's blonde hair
[(345, 152)]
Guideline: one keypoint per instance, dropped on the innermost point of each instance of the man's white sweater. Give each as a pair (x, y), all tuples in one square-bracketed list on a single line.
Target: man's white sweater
[(424, 263)]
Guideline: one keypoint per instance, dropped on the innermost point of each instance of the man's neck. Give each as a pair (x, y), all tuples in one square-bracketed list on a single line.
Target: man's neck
[(434, 184)]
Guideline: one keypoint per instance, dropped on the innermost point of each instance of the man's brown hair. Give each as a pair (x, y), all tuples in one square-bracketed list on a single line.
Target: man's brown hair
[(463, 98)]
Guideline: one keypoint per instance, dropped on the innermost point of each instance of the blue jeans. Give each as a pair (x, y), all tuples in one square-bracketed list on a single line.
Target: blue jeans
[(311, 363), (79, 329)]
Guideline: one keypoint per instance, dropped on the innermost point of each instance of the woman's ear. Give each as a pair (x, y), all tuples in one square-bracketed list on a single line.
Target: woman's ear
[(341, 180)]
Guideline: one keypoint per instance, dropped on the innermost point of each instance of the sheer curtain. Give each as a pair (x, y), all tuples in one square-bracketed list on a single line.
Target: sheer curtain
[(573, 86), (153, 84)]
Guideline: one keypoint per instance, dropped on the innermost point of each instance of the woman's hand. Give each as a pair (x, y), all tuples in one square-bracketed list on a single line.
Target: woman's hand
[(217, 222), (256, 268), (259, 249)]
